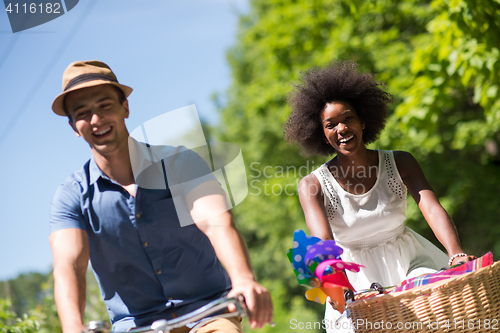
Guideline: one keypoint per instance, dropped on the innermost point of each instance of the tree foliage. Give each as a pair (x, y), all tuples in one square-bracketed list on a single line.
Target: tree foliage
[(450, 115), (10, 323), (440, 61), (27, 304), (25, 292)]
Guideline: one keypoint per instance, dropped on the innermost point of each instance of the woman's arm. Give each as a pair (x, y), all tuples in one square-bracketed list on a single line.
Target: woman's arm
[(428, 203), (311, 200)]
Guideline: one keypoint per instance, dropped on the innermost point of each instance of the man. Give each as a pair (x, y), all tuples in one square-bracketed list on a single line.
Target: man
[(147, 265)]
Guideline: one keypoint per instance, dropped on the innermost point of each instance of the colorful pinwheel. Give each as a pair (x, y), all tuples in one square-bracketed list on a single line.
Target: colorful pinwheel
[(317, 264)]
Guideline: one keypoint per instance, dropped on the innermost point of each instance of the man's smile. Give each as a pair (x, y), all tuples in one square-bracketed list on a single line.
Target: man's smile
[(102, 132)]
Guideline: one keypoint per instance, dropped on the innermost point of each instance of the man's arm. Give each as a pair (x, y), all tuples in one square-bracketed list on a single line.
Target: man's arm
[(208, 200), (70, 250)]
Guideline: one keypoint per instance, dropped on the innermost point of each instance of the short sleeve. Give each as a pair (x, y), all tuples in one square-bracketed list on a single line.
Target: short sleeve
[(183, 168), (65, 210), (191, 170)]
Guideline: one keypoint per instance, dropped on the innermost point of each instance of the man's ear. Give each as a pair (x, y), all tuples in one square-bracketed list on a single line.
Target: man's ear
[(125, 105), (73, 127)]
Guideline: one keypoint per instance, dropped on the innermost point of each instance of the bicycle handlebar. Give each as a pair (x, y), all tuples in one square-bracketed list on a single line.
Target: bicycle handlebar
[(200, 315)]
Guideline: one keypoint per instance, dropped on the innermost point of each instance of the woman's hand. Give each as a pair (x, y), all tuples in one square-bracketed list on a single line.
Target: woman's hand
[(334, 304), (461, 259)]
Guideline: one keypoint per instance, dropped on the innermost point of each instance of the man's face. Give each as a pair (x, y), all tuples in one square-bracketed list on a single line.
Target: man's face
[(98, 117)]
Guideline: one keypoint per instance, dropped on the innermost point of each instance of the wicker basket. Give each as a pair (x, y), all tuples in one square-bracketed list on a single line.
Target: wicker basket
[(467, 303)]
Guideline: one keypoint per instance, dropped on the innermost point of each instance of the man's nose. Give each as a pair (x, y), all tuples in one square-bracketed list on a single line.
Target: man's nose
[(96, 116)]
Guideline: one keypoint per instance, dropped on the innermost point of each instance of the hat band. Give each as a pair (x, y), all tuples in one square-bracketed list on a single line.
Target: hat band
[(88, 77)]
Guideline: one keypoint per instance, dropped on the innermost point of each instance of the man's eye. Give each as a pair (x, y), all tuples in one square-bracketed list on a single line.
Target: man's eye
[(81, 114), (105, 106)]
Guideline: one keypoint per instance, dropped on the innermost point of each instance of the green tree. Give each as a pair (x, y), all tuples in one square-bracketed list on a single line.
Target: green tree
[(25, 291), (450, 116), (38, 312), (10, 323), (438, 60)]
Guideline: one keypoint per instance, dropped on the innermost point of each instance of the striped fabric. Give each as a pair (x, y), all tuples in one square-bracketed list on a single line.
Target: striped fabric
[(454, 271)]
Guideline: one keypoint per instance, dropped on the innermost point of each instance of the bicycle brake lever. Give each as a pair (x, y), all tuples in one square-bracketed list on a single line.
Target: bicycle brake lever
[(160, 326), (98, 326)]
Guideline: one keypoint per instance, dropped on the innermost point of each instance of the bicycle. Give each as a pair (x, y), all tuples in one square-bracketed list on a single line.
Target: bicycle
[(201, 317)]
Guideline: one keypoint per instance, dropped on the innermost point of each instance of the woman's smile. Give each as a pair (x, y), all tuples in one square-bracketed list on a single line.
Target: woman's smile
[(342, 127)]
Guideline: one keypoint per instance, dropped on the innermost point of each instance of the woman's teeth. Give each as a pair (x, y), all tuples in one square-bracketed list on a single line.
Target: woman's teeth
[(346, 139)]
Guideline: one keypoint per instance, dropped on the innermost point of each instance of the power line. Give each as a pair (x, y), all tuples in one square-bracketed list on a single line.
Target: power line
[(43, 75), (9, 48)]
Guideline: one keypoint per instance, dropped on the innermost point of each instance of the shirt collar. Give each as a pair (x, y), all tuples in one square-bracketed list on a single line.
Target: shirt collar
[(94, 172)]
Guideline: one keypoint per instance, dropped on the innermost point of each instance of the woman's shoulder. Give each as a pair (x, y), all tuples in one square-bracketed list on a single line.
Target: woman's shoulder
[(309, 179), (399, 155), (405, 162), (310, 183)]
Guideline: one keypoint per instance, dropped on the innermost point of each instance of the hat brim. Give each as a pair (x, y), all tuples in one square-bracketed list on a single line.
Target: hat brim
[(58, 104)]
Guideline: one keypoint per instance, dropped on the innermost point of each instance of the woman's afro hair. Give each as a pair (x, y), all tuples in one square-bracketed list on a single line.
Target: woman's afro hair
[(340, 81)]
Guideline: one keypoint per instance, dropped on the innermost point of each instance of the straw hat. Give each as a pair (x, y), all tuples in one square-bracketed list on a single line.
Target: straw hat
[(84, 74)]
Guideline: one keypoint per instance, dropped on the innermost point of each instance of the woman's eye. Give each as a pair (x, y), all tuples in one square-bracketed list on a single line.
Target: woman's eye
[(349, 118)]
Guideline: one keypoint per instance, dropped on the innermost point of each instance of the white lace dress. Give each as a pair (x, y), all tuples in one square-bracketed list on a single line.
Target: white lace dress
[(370, 228)]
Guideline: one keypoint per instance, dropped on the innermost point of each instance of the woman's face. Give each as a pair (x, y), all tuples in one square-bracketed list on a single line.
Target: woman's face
[(342, 127)]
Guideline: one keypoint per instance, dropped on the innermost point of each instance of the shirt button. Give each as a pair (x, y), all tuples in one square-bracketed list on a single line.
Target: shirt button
[(146, 243), (138, 216), (158, 271)]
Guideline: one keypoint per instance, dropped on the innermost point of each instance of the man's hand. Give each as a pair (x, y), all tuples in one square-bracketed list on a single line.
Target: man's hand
[(257, 299)]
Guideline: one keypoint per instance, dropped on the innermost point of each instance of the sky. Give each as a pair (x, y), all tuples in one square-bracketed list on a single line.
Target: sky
[(171, 52)]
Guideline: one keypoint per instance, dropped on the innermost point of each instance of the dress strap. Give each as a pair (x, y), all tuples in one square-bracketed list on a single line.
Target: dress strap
[(331, 200), (394, 180)]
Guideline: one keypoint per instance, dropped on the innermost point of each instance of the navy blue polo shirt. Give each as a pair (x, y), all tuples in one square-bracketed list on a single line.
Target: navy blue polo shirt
[(146, 264)]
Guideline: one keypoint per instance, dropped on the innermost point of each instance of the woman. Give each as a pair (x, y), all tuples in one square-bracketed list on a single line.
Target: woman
[(358, 198)]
